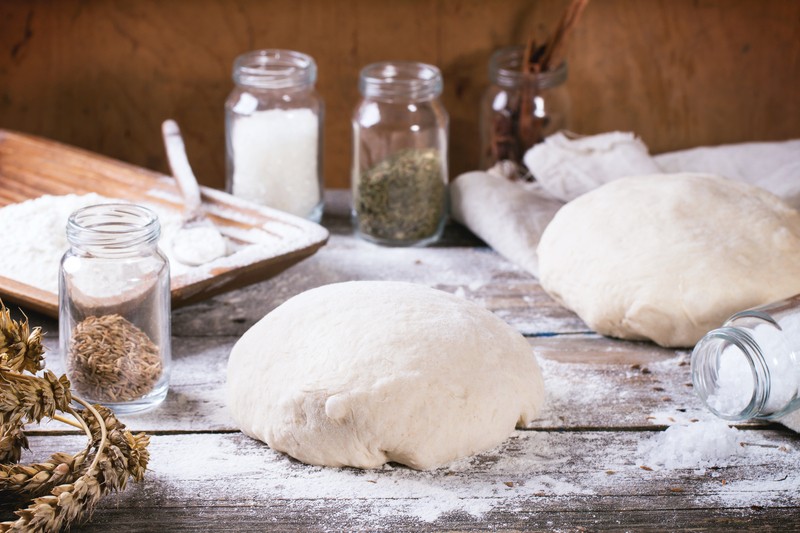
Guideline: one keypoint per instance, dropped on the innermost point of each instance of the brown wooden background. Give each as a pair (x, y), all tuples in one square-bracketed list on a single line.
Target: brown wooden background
[(102, 75)]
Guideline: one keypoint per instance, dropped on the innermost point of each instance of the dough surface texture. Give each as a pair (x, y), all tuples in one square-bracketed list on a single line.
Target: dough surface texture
[(670, 257), (366, 372)]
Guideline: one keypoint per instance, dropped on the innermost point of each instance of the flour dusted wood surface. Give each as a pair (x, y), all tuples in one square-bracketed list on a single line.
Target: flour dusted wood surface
[(536, 479), (579, 467)]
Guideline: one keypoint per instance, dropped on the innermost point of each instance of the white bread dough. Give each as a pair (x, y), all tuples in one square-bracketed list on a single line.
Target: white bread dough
[(670, 257), (366, 372)]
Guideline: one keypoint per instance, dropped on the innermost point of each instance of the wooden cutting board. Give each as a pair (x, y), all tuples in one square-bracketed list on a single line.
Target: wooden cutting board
[(31, 167)]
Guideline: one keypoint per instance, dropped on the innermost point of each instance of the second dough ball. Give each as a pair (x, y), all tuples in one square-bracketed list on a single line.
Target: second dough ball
[(669, 257)]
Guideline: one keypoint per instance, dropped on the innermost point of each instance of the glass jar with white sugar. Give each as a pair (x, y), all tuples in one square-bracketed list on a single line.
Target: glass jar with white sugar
[(273, 124), (114, 307), (750, 367)]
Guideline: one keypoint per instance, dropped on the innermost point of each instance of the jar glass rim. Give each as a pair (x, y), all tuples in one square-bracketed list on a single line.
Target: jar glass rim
[(113, 228), (707, 358), (505, 67), (400, 79), (274, 68)]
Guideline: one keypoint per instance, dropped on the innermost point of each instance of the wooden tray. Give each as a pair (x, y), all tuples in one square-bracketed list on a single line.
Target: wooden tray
[(31, 167)]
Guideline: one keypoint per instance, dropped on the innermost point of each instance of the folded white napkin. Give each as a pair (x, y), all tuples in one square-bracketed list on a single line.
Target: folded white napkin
[(510, 216), (774, 166), (569, 166)]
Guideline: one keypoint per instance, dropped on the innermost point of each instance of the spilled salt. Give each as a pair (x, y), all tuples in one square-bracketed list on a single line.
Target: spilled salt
[(697, 445)]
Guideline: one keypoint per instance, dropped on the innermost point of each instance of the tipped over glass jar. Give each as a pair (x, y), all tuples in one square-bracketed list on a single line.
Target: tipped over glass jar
[(399, 175), (750, 367)]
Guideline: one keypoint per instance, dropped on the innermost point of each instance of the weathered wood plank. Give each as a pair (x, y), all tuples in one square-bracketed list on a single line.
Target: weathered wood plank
[(536, 479), (455, 265), (591, 382), (478, 274)]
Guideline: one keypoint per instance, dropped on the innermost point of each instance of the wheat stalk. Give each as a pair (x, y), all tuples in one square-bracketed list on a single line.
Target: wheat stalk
[(75, 483), (12, 442), (118, 456), (20, 349), (39, 479), (25, 398)]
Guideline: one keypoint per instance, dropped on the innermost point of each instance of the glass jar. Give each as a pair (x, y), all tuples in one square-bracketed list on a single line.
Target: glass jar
[(750, 367), (519, 109), (399, 175), (114, 307), (273, 131)]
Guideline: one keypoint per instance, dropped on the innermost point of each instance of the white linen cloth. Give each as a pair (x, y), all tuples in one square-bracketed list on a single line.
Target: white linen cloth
[(774, 166), (508, 215), (568, 166)]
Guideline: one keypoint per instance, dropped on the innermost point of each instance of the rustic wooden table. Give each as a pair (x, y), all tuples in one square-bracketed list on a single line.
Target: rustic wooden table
[(580, 468)]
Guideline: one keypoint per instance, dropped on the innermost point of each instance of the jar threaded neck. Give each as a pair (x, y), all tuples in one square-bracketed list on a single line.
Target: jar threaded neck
[(274, 69), (400, 80), (113, 230), (505, 70), (730, 374)]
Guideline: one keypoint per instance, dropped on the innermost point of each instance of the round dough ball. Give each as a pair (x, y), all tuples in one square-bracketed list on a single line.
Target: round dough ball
[(670, 257), (366, 372)]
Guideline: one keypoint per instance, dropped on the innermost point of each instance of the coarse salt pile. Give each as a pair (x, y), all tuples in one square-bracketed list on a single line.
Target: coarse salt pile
[(734, 385), (698, 445)]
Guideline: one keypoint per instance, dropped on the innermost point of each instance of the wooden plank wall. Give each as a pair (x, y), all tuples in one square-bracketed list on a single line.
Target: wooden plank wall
[(103, 74)]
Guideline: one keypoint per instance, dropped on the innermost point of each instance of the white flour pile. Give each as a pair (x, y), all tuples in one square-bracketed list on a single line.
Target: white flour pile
[(34, 236), (697, 445)]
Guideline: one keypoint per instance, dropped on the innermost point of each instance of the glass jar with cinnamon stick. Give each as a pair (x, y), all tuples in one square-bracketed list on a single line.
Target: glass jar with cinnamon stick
[(521, 106)]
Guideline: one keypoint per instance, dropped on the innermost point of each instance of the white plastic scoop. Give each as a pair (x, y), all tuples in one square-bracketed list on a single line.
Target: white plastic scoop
[(198, 241)]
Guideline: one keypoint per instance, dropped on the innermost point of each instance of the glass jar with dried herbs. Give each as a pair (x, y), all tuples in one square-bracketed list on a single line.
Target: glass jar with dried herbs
[(520, 108), (114, 308), (399, 175)]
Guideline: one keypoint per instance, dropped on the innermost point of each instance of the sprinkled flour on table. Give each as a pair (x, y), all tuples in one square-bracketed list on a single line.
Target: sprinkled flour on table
[(464, 486)]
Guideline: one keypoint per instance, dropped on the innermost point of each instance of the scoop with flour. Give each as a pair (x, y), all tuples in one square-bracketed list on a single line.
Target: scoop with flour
[(198, 241)]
